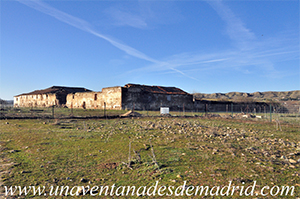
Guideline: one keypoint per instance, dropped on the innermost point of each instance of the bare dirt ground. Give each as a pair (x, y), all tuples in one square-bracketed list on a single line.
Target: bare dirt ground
[(5, 166)]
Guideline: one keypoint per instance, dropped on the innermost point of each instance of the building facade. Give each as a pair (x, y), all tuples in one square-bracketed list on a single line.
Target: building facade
[(132, 96), (53, 96), (142, 97), (109, 98)]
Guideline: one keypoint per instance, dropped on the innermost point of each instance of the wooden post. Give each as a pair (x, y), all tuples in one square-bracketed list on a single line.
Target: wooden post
[(72, 109), (270, 113), (52, 111), (104, 109), (129, 156)]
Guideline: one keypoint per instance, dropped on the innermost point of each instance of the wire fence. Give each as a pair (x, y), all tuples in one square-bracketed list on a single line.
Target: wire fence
[(237, 111), (271, 114), (55, 112)]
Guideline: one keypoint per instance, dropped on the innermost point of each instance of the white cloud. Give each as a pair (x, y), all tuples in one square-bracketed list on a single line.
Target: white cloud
[(263, 54), (236, 29), (262, 58), (143, 14), (126, 18), (85, 26)]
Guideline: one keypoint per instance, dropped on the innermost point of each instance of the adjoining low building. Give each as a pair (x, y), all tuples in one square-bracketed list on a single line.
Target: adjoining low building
[(228, 106), (53, 96)]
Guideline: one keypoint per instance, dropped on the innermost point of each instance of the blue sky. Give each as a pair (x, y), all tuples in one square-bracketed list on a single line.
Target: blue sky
[(198, 46)]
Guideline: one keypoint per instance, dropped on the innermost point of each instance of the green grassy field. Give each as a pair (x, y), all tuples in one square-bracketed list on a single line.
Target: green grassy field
[(200, 151)]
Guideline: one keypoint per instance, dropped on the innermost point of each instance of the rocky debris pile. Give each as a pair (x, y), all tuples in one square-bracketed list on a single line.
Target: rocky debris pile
[(246, 115), (212, 115), (131, 114), (166, 115)]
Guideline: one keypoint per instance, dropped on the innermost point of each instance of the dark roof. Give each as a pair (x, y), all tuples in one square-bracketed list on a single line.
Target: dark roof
[(57, 89), (158, 89)]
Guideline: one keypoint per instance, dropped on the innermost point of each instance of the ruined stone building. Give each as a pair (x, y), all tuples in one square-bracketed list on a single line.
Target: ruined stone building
[(132, 96), (55, 95), (142, 97)]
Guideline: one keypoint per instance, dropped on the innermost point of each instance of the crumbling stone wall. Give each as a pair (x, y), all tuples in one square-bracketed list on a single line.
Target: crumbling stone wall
[(136, 98), (55, 95), (109, 98), (40, 100)]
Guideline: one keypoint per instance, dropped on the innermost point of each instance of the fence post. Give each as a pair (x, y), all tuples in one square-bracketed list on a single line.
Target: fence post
[(53, 111), (270, 113), (104, 110), (72, 109), (231, 109)]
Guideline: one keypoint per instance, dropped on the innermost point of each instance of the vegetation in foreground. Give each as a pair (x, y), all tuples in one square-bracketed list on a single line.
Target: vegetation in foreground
[(141, 151)]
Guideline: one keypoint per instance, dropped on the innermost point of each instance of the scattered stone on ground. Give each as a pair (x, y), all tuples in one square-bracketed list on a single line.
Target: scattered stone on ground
[(108, 165)]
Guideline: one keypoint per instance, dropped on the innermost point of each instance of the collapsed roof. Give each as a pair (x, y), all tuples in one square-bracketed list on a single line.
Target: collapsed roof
[(158, 89), (57, 89), (144, 88)]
